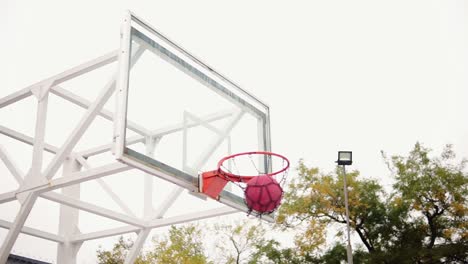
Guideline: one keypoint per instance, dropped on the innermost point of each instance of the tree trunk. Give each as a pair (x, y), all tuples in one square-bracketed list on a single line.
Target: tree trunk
[(369, 247), (433, 230)]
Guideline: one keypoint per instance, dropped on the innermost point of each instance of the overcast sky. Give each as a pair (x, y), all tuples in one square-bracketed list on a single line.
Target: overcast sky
[(338, 75)]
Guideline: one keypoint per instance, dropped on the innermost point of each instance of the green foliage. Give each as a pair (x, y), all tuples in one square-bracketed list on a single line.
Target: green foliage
[(424, 219), (118, 253), (336, 254), (435, 190), (182, 246), (271, 252)]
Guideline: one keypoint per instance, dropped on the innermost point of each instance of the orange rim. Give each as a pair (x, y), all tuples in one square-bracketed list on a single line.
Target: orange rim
[(266, 153)]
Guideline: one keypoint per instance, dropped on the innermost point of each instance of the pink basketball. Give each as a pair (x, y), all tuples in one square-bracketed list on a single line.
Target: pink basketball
[(263, 194)]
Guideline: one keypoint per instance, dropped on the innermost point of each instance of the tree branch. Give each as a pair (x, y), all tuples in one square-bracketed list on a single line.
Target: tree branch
[(237, 249), (369, 247), (334, 218)]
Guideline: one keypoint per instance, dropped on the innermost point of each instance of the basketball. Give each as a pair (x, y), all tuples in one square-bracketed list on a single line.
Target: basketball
[(263, 194)]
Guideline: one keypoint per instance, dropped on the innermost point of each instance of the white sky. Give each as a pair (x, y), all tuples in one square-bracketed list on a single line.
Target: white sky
[(338, 75)]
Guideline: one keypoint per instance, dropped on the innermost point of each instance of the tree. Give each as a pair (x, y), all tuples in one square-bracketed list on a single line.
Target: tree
[(118, 253), (424, 218), (271, 252), (182, 245), (240, 243), (316, 201), (436, 192)]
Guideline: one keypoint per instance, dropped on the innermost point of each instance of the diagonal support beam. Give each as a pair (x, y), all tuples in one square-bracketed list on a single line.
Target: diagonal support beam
[(61, 77), (25, 139), (16, 96), (105, 233), (80, 101), (215, 144), (179, 126), (7, 197), (84, 68), (115, 197), (155, 133), (34, 232), (192, 217), (107, 189), (166, 204), (91, 208), (137, 245), (80, 177), (16, 227), (11, 166), (156, 223), (202, 122), (107, 147), (79, 130)]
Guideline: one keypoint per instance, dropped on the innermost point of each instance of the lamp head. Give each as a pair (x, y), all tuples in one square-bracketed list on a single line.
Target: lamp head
[(345, 158)]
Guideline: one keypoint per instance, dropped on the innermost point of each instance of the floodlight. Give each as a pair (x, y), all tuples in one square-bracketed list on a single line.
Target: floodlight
[(345, 158)]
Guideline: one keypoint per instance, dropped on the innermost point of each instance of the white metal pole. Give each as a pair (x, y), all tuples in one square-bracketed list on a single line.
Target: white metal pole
[(348, 248), (69, 217), (150, 144)]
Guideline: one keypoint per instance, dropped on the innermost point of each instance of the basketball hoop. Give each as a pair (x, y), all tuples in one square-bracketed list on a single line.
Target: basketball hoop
[(256, 177)]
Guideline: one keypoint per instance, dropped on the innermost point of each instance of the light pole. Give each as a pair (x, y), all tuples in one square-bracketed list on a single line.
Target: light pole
[(346, 158)]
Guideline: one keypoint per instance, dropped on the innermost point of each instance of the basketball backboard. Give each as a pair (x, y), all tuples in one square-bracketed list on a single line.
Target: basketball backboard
[(187, 115)]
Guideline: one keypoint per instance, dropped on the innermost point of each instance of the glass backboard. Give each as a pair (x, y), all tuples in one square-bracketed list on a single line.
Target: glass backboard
[(176, 116)]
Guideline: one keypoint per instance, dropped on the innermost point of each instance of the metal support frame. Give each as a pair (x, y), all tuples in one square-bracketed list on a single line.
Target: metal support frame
[(39, 180)]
